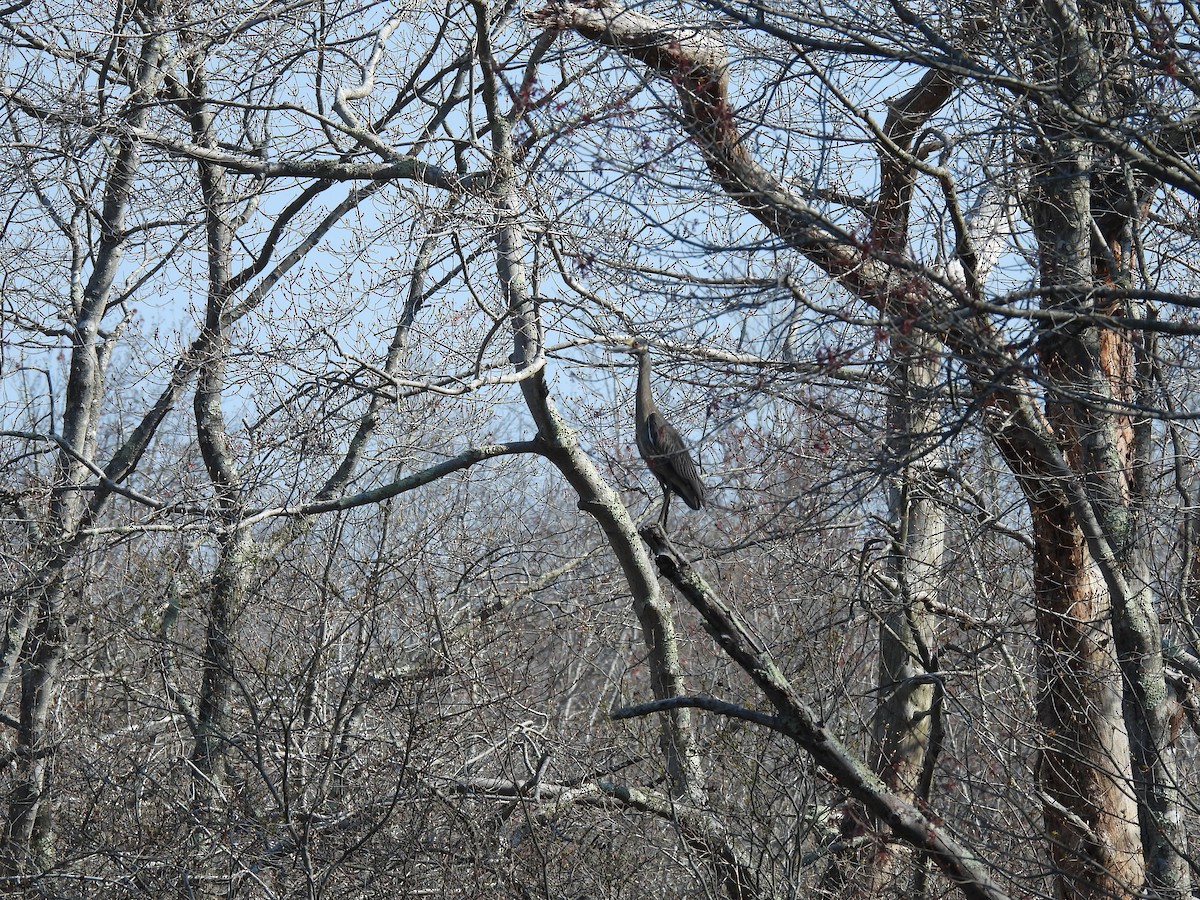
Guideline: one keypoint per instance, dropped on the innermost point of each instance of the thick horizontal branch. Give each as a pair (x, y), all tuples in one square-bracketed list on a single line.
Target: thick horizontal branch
[(1181, 657), (708, 704), (407, 168), (363, 498), (401, 485)]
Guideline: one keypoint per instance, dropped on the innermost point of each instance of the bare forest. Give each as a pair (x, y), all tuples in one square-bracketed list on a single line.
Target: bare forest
[(330, 566)]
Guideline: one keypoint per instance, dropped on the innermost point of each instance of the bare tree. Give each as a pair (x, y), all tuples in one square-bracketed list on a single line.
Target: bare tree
[(354, 619), (1077, 459)]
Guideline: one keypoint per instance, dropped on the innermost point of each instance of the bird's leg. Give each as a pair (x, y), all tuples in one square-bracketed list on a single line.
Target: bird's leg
[(666, 505)]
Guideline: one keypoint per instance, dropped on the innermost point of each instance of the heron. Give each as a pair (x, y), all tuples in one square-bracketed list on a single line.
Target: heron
[(661, 446)]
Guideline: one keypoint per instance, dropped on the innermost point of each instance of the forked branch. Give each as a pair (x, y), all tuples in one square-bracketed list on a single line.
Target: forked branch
[(799, 722)]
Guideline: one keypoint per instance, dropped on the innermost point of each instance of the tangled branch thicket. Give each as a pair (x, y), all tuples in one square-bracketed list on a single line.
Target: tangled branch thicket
[(327, 559)]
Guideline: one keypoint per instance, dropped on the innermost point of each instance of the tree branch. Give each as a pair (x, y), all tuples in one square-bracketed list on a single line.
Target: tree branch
[(401, 485), (801, 723), (708, 704)]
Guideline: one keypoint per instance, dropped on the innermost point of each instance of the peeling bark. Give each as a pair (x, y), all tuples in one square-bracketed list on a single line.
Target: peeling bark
[(1072, 460), (1083, 216)]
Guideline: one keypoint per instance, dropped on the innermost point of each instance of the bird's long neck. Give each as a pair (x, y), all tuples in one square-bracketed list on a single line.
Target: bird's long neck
[(645, 403)]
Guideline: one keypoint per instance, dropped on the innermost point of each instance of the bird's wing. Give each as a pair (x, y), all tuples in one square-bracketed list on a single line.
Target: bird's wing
[(664, 440), (673, 462)]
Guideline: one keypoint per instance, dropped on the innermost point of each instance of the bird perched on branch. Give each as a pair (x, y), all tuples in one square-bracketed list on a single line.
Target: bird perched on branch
[(661, 446)]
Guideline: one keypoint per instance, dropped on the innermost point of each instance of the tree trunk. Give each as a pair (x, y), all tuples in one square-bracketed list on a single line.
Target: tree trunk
[(677, 738), (904, 715), (1103, 682), (30, 847), (36, 630)]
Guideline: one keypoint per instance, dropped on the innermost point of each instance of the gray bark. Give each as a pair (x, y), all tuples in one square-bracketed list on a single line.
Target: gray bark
[(36, 629), (1093, 379), (31, 838), (1086, 766), (797, 720), (905, 712), (677, 738)]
